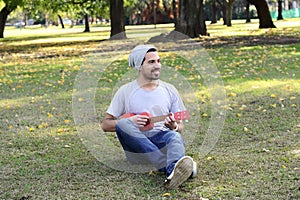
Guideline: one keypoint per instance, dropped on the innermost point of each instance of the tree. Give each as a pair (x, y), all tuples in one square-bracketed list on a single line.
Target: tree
[(213, 12), (248, 19), (191, 18), (265, 20), (9, 6), (229, 12), (226, 6), (223, 5), (279, 17), (174, 10), (117, 19)]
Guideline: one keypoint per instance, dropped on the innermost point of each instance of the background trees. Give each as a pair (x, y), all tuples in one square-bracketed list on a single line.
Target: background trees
[(188, 16)]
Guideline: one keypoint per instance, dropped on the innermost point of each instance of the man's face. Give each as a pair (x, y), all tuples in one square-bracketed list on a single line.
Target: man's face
[(150, 68)]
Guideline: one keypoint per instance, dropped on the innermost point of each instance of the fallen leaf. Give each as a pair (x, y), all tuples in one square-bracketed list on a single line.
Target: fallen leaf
[(80, 99), (60, 130), (232, 94), (209, 158), (166, 194), (151, 172)]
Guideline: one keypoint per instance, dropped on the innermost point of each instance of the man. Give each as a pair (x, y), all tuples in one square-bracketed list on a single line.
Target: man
[(151, 140)]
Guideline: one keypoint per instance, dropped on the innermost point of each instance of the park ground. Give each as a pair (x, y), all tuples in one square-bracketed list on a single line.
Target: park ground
[(257, 154)]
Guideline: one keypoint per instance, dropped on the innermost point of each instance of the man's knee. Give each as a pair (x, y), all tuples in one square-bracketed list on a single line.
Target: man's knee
[(174, 137), (127, 127)]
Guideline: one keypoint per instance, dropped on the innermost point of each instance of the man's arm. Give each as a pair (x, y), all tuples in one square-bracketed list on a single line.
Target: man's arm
[(109, 123)]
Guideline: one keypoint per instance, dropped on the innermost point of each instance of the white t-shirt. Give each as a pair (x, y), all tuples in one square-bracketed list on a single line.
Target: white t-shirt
[(131, 98)]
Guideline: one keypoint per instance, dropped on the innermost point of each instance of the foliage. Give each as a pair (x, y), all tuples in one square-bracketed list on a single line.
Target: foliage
[(13, 4)]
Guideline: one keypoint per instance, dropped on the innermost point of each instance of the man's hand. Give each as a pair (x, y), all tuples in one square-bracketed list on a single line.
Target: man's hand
[(139, 120), (170, 122)]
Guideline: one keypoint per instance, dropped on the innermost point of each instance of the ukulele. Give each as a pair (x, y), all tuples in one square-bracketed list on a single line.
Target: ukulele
[(183, 115)]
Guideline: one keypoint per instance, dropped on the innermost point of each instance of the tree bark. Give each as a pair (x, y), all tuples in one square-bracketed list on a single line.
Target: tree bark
[(117, 19), (86, 23), (61, 21), (265, 20), (46, 20), (3, 17), (174, 9), (223, 5), (191, 20), (213, 12), (248, 18), (279, 17), (229, 13)]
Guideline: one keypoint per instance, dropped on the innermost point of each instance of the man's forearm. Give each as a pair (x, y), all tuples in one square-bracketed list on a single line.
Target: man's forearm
[(109, 125)]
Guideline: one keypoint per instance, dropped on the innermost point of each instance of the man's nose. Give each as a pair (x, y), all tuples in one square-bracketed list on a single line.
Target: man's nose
[(157, 64)]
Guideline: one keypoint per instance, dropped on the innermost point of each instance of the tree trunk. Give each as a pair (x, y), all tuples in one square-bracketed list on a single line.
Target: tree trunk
[(61, 21), (279, 17), (203, 30), (46, 20), (229, 13), (174, 9), (265, 20), (154, 13), (72, 23), (248, 18), (3, 17), (117, 19), (223, 5), (191, 22), (86, 23), (213, 12)]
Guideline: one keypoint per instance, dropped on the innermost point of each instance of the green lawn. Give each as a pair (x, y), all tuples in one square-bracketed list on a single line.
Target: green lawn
[(43, 153)]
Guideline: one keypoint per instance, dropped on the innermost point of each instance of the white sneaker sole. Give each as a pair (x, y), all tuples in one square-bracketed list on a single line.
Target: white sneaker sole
[(182, 171)]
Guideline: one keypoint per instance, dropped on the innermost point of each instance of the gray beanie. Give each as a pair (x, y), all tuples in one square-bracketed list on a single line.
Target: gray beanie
[(137, 55)]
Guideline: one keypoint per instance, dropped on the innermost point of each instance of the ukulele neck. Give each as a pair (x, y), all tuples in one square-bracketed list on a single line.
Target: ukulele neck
[(158, 119)]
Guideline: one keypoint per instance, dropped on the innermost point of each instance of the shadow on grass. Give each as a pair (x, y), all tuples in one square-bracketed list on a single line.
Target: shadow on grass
[(239, 41)]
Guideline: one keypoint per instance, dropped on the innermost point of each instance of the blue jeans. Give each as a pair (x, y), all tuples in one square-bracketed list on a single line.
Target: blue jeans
[(162, 150)]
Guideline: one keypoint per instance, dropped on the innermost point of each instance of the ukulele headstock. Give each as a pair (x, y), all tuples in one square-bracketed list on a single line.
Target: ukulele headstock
[(182, 115)]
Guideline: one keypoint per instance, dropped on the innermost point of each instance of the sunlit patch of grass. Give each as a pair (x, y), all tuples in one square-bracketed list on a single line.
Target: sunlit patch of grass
[(241, 28)]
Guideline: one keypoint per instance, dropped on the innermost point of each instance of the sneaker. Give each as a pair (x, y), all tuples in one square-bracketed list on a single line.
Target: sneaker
[(194, 173), (181, 172)]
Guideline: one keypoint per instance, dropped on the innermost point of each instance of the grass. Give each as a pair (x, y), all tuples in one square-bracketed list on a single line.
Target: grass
[(256, 156)]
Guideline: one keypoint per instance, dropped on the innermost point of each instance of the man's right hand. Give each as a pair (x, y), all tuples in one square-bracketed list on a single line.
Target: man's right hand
[(139, 120)]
